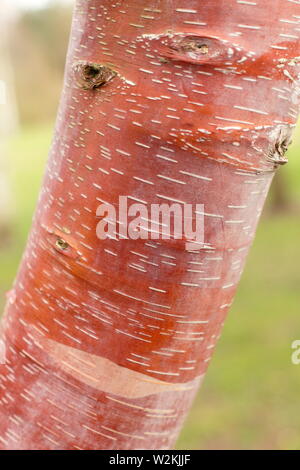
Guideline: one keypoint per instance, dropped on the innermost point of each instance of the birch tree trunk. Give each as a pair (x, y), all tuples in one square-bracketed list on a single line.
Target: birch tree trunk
[(105, 343)]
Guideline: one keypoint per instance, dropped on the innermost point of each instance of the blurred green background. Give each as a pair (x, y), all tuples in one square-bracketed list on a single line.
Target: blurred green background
[(250, 398)]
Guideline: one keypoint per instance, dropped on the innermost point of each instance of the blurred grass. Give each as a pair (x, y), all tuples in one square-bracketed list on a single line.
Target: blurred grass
[(249, 399), (27, 154)]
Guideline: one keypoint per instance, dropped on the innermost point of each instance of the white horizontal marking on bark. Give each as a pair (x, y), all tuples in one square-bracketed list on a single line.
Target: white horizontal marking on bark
[(103, 374)]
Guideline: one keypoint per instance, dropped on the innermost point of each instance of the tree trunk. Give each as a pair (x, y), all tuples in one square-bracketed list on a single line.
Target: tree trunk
[(105, 342)]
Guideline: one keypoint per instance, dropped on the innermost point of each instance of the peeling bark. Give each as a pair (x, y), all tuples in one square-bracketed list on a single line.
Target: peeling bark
[(107, 341)]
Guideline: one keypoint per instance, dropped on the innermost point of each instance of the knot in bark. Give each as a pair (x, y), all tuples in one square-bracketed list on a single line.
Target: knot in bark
[(90, 75)]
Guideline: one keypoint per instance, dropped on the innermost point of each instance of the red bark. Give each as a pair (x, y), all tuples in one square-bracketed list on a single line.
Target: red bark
[(107, 341)]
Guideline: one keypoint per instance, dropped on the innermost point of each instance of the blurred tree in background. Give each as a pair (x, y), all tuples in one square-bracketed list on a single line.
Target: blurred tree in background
[(8, 120), (38, 50)]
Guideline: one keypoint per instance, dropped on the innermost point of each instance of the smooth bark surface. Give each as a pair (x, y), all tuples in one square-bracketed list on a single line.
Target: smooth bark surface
[(107, 341)]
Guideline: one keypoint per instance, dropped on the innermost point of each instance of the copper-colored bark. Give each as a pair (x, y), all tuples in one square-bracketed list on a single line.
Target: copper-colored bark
[(106, 341)]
